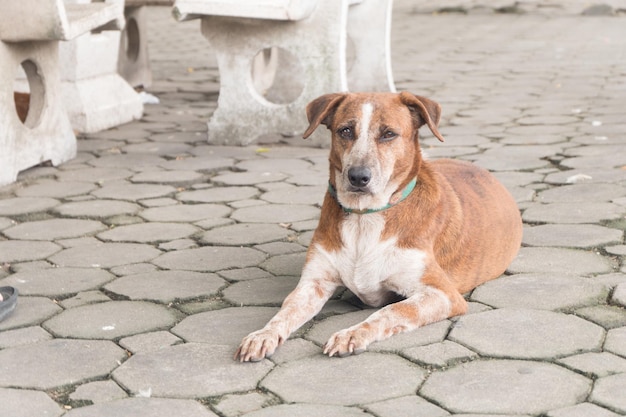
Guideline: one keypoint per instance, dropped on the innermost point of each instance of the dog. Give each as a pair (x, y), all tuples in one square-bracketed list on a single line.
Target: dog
[(400, 232)]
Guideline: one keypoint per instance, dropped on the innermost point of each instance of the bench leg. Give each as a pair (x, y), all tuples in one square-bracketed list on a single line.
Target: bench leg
[(369, 27), (95, 95), (134, 62), (318, 42), (46, 134)]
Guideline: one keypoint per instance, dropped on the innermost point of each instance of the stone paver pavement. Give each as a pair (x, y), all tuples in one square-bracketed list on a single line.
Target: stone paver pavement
[(142, 262)]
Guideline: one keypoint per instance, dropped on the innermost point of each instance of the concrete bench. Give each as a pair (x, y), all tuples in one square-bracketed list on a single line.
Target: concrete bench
[(134, 60), (96, 96), (275, 56), (29, 44)]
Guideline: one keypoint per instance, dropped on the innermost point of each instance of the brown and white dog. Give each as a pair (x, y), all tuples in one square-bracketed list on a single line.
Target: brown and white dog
[(398, 231)]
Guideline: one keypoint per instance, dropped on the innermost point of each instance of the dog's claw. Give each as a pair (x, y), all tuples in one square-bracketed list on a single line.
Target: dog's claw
[(345, 343), (258, 345)]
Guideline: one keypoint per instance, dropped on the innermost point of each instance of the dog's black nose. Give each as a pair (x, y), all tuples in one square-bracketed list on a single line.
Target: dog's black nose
[(359, 176)]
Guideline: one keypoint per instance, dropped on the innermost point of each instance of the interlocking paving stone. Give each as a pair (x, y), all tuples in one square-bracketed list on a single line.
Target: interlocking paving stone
[(280, 165), (582, 410), (411, 406), (572, 236), (167, 177), (95, 175), (309, 410), (185, 212), (53, 229), (210, 258), (526, 334), (132, 162), (559, 261), (23, 336), (290, 264), (294, 349), (98, 392), (218, 194), (83, 298), (487, 387), (111, 320), (597, 364), (606, 316), (191, 370), (245, 234), (439, 354), (247, 178), (105, 255), (24, 205), (147, 342), (53, 282), (5, 223), (582, 193), (26, 403), (276, 213), (148, 232), (583, 212), (297, 195), (24, 250), (592, 175), (243, 274), (609, 392), (609, 160), (55, 189), (206, 164), (166, 286), (315, 379), (619, 295), (280, 248), (264, 291), (208, 328), (158, 148), (143, 407), (238, 404), (541, 291), (30, 311), (58, 362), (96, 208), (133, 192)]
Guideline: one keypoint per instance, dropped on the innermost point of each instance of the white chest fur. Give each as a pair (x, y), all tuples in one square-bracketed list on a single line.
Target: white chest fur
[(370, 267)]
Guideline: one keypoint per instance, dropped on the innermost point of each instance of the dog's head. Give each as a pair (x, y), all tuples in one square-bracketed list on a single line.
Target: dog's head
[(375, 151)]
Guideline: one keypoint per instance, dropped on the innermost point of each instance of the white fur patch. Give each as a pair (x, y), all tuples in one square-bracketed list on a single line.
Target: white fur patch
[(369, 267)]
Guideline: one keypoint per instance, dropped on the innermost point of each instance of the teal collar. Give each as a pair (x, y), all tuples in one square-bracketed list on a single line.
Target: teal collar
[(405, 193)]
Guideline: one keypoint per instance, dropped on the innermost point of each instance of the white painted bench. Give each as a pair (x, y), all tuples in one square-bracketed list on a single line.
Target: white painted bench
[(275, 56), (30, 32), (134, 60)]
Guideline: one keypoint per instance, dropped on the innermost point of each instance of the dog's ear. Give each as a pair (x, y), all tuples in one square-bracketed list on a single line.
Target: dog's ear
[(424, 111), (321, 111)]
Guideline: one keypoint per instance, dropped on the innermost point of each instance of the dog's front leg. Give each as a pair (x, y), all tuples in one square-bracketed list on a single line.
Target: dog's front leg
[(301, 305), (429, 305)]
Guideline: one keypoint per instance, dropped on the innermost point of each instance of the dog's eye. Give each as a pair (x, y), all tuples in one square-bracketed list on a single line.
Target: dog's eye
[(388, 135), (346, 133)]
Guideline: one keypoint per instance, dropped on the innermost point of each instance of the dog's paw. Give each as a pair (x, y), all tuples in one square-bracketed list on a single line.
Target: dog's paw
[(346, 342), (258, 345)]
